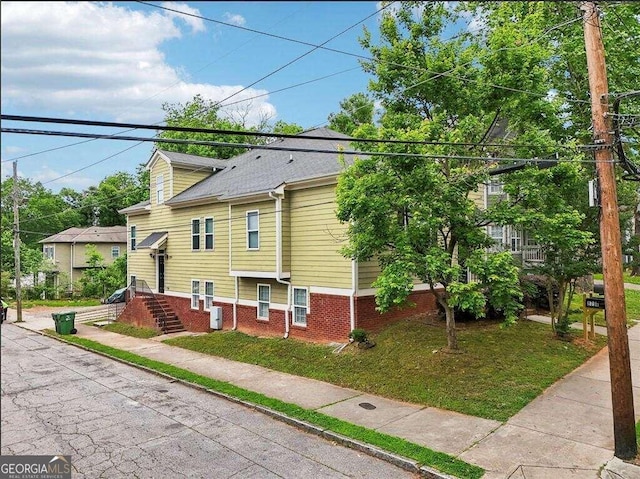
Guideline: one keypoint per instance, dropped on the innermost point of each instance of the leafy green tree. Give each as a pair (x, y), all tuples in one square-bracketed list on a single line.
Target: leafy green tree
[(201, 113), (356, 110), (417, 216), (100, 204), (547, 205), (286, 128), (419, 220), (42, 213), (99, 279)]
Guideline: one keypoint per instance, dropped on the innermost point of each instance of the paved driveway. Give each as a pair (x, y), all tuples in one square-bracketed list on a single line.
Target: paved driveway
[(117, 421)]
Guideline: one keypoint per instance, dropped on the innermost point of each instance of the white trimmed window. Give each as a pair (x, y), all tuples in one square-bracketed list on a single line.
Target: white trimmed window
[(496, 233), (132, 237), (495, 187), (208, 295), (195, 234), (516, 240), (264, 298), (195, 294), (300, 306), (253, 230), (48, 251), (208, 233), (160, 189), (115, 252)]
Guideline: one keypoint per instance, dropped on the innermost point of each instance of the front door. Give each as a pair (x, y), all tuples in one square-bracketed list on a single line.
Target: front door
[(161, 273)]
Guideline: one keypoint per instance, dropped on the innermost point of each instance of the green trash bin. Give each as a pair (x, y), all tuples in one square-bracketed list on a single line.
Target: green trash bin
[(65, 322), (56, 320)]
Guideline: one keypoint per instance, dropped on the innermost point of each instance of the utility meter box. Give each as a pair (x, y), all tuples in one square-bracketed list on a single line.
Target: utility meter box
[(215, 317)]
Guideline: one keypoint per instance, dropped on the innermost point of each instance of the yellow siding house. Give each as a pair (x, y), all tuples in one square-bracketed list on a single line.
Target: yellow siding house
[(251, 243)]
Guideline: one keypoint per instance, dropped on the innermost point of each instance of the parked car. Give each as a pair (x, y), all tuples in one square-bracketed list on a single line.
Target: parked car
[(118, 296)]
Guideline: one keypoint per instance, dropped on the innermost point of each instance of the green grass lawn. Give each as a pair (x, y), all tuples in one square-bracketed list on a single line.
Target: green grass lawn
[(632, 301), (129, 330), (422, 455), (627, 278), (499, 371)]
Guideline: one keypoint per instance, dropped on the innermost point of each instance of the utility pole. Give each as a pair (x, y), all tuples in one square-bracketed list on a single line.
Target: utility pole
[(626, 446), (16, 242)]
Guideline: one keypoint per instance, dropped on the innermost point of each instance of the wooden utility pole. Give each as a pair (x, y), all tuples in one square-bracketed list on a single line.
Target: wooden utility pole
[(619, 360), (16, 242)]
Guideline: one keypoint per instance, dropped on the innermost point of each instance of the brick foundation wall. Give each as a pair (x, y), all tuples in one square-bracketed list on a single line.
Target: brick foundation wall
[(328, 319), (196, 320), (137, 314), (371, 320), (249, 323)]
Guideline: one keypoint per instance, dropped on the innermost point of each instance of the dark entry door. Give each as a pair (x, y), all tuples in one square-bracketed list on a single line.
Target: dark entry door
[(161, 273)]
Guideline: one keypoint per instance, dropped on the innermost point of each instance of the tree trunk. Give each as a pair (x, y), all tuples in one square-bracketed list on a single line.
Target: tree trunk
[(452, 339), (552, 307), (635, 270)]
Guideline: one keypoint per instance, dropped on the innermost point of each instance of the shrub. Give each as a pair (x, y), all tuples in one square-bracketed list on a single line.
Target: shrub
[(358, 335), (535, 289)]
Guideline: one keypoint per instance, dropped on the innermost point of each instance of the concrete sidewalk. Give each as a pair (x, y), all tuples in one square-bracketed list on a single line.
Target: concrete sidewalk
[(567, 432)]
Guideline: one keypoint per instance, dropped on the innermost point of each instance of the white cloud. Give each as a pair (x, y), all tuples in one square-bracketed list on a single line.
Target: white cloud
[(13, 150), (44, 174), (94, 59), (234, 19), (196, 24)]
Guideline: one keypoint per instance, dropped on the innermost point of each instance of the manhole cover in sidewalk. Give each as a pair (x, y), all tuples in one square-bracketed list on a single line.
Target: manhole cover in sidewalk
[(366, 405)]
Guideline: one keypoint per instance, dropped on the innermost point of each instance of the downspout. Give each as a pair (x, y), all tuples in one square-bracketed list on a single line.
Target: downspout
[(235, 306), (71, 266), (352, 295), (235, 298), (278, 200)]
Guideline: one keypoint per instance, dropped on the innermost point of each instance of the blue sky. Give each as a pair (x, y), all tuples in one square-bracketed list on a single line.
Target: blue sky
[(121, 61)]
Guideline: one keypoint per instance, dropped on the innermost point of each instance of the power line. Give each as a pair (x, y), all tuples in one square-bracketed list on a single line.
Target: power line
[(217, 131), (251, 146), (304, 54), (290, 87), (355, 55), (92, 164)]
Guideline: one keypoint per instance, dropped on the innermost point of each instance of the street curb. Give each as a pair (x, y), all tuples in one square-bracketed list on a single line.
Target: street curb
[(399, 461)]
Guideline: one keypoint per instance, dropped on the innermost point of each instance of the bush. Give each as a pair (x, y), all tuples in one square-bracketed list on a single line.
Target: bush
[(358, 335), (535, 289)]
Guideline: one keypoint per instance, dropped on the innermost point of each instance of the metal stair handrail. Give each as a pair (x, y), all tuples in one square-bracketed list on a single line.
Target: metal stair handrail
[(140, 287)]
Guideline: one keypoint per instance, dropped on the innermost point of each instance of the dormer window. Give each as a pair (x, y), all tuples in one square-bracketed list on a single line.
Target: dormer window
[(160, 189)]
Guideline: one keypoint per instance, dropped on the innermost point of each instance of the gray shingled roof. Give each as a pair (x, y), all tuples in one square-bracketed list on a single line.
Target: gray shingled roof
[(260, 170), (149, 241), (137, 207), (93, 234), (192, 161)]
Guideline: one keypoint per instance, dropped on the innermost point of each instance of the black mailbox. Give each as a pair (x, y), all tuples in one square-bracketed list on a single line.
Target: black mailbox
[(594, 303), (598, 288)]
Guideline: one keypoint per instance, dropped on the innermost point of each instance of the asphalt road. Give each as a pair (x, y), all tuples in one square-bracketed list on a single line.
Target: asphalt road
[(117, 421)]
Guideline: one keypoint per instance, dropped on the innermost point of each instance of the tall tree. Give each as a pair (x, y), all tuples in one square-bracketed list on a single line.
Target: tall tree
[(42, 213), (416, 215), (356, 110), (203, 113), (100, 204)]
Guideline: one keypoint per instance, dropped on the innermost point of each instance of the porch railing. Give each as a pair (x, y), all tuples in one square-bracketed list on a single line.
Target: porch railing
[(532, 254), (139, 287)]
